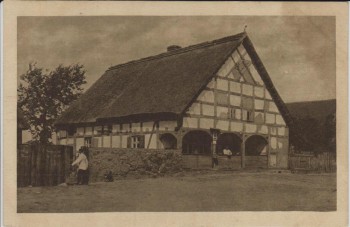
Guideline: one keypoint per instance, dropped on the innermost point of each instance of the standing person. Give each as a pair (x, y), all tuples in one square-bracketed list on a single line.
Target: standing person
[(214, 160), (83, 164)]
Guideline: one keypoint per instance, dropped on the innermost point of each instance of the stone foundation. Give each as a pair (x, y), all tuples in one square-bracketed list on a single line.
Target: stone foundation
[(132, 162)]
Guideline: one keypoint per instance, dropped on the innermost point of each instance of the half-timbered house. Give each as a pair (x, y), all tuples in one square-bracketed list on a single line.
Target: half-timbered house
[(200, 99)]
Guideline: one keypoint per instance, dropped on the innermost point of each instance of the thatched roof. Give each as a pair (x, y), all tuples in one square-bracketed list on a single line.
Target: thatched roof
[(161, 86)]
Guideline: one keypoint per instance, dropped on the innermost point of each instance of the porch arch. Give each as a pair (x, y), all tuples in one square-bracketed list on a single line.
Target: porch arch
[(256, 150), (256, 145), (231, 141), (168, 141), (196, 142)]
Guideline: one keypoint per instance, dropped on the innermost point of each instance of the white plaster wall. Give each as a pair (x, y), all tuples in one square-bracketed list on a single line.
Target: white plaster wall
[(236, 57), (273, 131), (116, 141), (270, 118), (259, 92), (259, 104), (222, 124), (115, 128), (281, 131), (125, 141), (190, 122), (211, 84), (206, 96), (167, 125), (208, 110), (153, 143), (88, 131), (195, 109), (247, 89), (106, 141), (79, 143), (263, 129), (267, 95), (238, 114), (126, 128), (222, 84), (235, 87), (250, 128), (242, 50), (255, 75), (235, 100), (273, 142), (273, 107), (272, 160), (147, 126), (259, 117), (136, 127), (206, 123), (279, 120), (236, 126), (226, 68), (222, 112)]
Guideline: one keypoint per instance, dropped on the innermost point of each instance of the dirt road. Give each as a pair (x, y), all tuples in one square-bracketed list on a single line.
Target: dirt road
[(192, 192)]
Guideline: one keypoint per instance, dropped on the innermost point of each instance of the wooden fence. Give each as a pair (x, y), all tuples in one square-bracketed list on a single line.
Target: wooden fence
[(323, 162), (39, 165)]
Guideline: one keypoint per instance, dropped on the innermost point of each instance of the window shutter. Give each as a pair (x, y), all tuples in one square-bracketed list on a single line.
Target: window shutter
[(94, 142), (129, 142), (142, 141)]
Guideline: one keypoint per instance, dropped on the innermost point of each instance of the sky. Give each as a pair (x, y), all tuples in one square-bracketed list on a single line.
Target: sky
[(297, 51)]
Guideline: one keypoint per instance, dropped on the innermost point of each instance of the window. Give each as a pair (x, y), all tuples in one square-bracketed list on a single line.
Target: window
[(231, 114), (247, 115), (137, 141), (250, 116), (235, 113), (87, 141)]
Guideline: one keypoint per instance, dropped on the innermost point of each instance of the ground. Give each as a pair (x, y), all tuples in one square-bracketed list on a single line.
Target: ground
[(195, 191)]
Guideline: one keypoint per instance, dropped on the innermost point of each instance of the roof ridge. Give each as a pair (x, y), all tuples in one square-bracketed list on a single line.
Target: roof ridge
[(238, 36)]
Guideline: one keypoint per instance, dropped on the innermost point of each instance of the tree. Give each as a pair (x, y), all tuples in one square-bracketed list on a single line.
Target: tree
[(43, 96)]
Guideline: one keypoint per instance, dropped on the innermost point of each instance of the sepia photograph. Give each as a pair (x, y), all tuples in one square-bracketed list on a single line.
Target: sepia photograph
[(215, 113), (169, 114)]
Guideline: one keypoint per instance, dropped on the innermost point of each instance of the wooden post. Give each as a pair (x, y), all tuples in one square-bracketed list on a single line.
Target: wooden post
[(150, 138), (111, 137), (243, 152)]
